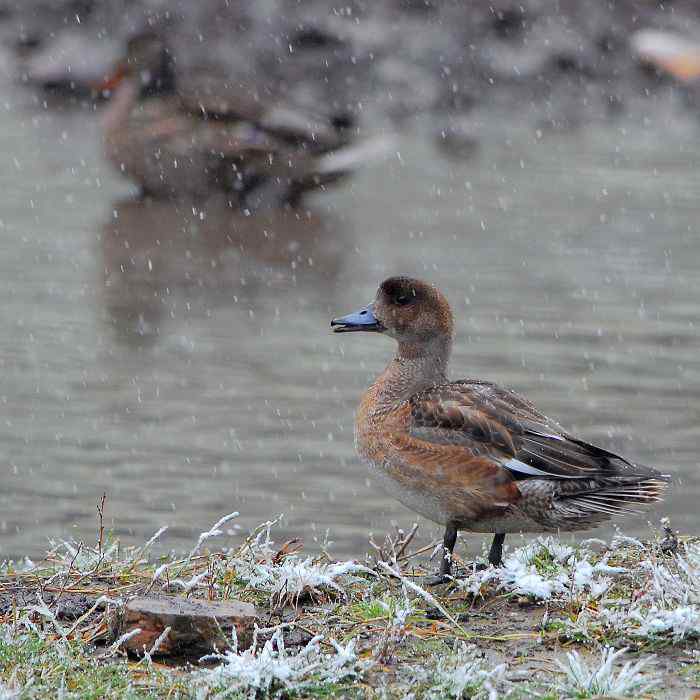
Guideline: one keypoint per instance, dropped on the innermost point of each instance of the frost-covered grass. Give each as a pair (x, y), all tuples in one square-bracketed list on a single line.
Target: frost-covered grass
[(587, 681), (359, 630), (670, 603), (33, 665), (272, 669), (465, 673), (545, 569), (285, 575), (629, 590)]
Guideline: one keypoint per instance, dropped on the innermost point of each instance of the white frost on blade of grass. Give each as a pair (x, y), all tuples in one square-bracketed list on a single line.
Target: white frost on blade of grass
[(679, 587), (682, 622), (465, 674), (155, 537), (400, 610), (26, 565), (255, 561), (600, 587), (476, 580), (583, 681), (428, 597), (123, 640), (102, 600), (214, 531), (345, 658), (520, 574), (148, 655), (587, 575), (527, 581), (43, 610), (161, 570), (558, 551), (192, 583), (620, 540)]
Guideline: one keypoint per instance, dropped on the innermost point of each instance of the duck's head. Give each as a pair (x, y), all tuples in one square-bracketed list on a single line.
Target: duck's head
[(412, 311), (148, 62)]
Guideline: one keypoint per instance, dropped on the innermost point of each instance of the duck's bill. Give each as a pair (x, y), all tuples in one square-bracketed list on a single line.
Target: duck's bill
[(362, 320), (112, 80)]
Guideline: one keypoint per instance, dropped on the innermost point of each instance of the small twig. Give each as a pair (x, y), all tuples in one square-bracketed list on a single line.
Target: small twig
[(422, 550), (100, 515), (407, 540), (66, 578), (100, 533)]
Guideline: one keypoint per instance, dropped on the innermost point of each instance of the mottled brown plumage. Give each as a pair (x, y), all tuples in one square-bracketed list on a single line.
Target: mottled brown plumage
[(470, 454)]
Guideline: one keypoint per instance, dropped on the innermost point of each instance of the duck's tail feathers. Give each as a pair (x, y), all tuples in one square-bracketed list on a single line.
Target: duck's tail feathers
[(621, 498), (334, 166), (344, 160)]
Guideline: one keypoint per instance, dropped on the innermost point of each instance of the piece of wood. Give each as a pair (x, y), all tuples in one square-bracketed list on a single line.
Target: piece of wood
[(197, 627)]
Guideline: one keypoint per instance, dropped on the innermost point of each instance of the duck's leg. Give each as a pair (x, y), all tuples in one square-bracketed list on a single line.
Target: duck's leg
[(496, 551), (448, 544)]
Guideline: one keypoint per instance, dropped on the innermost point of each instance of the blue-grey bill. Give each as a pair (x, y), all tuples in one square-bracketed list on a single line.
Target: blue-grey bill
[(362, 320)]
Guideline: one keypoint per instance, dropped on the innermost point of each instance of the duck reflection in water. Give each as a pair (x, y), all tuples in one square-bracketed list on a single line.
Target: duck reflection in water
[(169, 262)]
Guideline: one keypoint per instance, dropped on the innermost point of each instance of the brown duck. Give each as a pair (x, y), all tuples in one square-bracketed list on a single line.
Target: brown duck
[(472, 455), (189, 144)]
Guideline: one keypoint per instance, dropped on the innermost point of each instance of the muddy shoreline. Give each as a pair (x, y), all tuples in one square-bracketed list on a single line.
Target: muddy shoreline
[(363, 630)]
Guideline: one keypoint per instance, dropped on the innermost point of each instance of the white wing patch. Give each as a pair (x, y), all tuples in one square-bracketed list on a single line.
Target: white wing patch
[(515, 465), (549, 436)]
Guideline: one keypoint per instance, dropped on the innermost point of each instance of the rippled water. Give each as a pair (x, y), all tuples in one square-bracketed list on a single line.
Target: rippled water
[(183, 363)]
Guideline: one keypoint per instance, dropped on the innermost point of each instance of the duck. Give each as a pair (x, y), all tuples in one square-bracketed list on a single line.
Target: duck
[(470, 454), (187, 143)]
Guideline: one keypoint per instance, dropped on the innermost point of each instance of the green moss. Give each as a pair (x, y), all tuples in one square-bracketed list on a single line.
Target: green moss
[(351, 691), (545, 564)]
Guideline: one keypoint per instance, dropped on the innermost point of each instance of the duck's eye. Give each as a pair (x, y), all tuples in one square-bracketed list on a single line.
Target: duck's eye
[(403, 300)]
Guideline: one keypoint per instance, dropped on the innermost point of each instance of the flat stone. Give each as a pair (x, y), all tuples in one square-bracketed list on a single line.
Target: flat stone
[(197, 627)]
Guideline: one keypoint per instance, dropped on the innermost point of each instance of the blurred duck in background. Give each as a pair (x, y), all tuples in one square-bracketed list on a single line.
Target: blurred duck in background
[(188, 143)]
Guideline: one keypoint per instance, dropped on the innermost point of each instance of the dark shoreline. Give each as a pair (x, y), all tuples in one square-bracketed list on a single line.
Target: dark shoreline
[(552, 65)]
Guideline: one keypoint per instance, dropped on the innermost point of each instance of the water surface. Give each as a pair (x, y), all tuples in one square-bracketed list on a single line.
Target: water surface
[(181, 361)]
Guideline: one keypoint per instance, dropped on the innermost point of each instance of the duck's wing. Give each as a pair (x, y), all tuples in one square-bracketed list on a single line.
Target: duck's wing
[(165, 123), (491, 421), (230, 99)]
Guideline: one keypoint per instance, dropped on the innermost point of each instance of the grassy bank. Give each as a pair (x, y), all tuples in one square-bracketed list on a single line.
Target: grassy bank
[(557, 621)]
